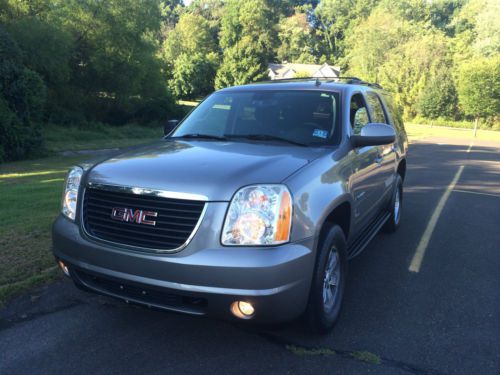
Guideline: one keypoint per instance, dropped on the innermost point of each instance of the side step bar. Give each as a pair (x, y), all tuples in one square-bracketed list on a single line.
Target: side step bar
[(367, 235)]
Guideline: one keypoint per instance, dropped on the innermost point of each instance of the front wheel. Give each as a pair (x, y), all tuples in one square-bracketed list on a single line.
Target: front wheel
[(327, 289), (395, 208)]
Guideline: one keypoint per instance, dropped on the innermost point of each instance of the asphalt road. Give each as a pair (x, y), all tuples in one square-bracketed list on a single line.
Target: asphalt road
[(443, 319)]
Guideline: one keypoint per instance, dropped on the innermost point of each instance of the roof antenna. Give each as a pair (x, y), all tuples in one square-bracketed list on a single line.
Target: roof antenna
[(318, 83)]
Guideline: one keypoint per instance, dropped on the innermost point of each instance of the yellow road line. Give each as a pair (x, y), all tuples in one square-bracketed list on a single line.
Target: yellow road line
[(418, 257), (476, 192)]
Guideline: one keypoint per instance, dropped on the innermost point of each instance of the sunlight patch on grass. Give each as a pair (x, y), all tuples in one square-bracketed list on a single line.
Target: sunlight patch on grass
[(418, 132), (53, 180), (30, 174), (189, 103)]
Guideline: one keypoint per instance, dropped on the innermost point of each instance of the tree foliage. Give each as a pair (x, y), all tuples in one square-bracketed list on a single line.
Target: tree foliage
[(296, 41), (117, 61), (479, 87), (22, 99), (248, 37), (439, 97)]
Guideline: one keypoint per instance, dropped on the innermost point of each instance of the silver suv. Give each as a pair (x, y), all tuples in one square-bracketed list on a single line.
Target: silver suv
[(248, 209)]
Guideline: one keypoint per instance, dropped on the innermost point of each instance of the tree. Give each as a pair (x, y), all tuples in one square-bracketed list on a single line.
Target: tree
[(191, 53), (115, 68), (409, 67), (22, 100), (334, 20), (193, 75), (192, 34), (371, 42), (248, 37), (439, 97), (479, 87), (296, 41)]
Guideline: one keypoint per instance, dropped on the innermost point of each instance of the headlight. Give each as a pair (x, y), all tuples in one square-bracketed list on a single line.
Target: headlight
[(70, 194), (258, 215)]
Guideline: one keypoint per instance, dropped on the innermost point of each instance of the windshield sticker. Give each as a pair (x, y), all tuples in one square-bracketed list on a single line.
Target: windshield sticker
[(320, 133)]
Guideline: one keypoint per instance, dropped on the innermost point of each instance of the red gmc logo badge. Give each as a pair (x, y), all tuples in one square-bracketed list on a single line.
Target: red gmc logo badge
[(133, 216)]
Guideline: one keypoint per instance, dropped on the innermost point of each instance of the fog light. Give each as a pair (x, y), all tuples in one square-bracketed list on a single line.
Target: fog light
[(63, 268), (242, 309)]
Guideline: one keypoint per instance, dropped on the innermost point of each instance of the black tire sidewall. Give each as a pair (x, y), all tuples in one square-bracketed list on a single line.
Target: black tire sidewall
[(391, 225), (319, 320)]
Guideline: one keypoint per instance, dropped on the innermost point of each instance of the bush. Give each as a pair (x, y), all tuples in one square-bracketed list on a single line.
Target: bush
[(17, 140), (22, 100)]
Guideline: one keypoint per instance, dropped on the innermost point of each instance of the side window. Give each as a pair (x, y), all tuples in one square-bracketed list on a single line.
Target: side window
[(358, 113), (377, 111)]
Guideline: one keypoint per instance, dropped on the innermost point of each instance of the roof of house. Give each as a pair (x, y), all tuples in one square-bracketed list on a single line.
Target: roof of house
[(313, 70)]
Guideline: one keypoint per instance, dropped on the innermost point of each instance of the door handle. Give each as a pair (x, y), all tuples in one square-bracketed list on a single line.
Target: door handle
[(379, 159)]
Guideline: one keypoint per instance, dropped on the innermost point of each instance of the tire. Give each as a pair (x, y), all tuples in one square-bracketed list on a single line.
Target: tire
[(324, 305), (395, 208)]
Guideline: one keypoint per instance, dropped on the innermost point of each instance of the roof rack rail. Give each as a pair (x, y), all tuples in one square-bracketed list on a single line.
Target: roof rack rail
[(359, 81), (348, 80), (302, 79)]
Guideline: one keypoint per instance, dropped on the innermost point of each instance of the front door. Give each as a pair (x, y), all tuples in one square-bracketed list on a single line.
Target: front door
[(387, 156), (365, 181)]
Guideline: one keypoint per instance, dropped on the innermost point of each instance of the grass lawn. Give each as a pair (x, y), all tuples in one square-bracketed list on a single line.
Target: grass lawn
[(30, 194), (419, 132), (93, 137)]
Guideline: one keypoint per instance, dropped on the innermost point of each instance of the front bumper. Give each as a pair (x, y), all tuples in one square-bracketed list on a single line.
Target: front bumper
[(199, 281)]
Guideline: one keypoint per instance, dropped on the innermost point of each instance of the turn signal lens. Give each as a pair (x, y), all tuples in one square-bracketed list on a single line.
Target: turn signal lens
[(284, 219)]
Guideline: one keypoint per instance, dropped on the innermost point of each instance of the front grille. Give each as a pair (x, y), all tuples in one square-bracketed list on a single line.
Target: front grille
[(176, 219), (143, 294)]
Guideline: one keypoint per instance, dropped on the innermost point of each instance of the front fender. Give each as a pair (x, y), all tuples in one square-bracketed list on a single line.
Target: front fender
[(317, 190)]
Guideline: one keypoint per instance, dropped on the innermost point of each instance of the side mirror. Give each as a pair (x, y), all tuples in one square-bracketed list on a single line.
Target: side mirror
[(374, 134), (169, 126)]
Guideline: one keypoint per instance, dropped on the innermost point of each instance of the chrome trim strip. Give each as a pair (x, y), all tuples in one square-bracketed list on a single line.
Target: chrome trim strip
[(148, 192)]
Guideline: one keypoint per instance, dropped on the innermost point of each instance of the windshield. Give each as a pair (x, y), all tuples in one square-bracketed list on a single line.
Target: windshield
[(303, 117)]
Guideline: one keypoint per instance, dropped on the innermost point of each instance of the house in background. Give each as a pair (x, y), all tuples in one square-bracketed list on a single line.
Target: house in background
[(290, 70)]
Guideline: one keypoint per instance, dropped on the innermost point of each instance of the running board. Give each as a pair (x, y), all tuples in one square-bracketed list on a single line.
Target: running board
[(367, 235)]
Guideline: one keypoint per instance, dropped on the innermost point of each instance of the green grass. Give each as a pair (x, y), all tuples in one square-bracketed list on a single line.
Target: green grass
[(31, 193), (301, 351), (367, 357), (97, 136), (419, 132)]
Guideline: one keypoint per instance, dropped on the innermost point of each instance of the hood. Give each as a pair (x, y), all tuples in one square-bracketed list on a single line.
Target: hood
[(212, 169)]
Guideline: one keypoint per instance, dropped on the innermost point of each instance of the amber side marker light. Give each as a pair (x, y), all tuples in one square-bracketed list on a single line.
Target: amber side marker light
[(63, 267), (242, 309)]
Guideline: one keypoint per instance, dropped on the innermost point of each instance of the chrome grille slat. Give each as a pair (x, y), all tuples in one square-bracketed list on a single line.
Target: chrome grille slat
[(144, 206), (174, 226), (104, 221)]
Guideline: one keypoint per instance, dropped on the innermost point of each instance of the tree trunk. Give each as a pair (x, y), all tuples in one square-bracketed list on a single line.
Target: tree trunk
[(476, 122)]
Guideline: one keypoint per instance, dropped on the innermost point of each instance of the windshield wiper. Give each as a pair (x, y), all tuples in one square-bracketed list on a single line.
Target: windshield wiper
[(200, 136), (264, 137)]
